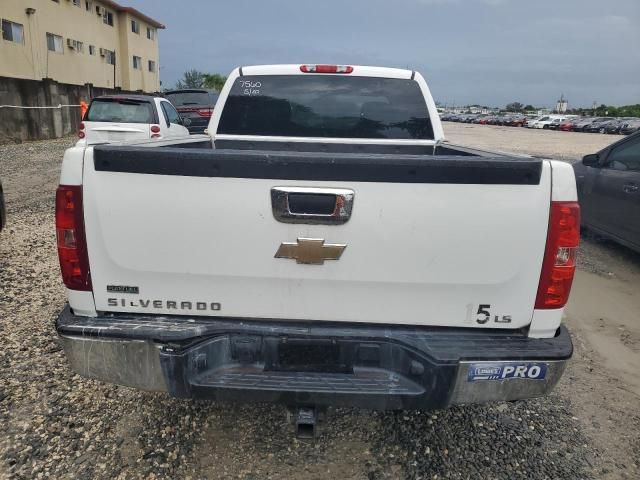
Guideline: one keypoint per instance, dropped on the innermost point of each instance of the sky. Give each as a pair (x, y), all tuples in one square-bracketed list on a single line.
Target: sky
[(489, 52)]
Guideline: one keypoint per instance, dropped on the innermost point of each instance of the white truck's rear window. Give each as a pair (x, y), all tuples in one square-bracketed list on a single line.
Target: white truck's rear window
[(330, 106)]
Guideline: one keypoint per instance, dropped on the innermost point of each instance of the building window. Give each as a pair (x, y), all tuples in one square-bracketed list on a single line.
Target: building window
[(54, 43), (151, 33), (92, 49), (135, 27), (110, 57), (79, 47), (77, 3), (137, 62), (13, 32), (152, 66), (88, 7), (108, 18)]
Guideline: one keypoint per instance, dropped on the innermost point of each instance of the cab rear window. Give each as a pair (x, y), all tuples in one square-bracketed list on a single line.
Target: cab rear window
[(330, 106), (120, 110)]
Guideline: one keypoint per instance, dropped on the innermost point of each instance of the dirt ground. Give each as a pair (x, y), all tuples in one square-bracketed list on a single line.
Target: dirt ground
[(55, 424), (540, 143), (603, 312)]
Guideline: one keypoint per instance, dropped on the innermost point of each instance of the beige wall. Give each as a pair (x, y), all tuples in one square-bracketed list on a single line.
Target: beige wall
[(33, 60), (139, 45)]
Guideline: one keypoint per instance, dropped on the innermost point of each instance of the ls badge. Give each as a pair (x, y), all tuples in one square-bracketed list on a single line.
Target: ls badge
[(310, 251)]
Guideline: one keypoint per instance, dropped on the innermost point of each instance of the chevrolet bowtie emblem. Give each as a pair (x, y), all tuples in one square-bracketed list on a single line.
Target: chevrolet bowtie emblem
[(311, 251)]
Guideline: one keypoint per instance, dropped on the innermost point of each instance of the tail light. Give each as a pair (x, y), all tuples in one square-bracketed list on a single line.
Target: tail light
[(326, 68), (81, 131), (559, 264), (155, 131), (205, 112), (72, 243)]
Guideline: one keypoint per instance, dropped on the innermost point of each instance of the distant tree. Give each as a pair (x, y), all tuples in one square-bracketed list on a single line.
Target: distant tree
[(629, 110), (214, 81), (514, 107), (528, 108), (191, 79), (609, 110)]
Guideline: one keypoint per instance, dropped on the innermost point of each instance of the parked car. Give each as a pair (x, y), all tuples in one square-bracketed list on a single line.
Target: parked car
[(581, 122), (542, 122), (237, 269), (539, 122), (195, 104), (608, 185), (3, 209), (121, 118), (630, 127), (567, 125), (517, 121), (597, 125), (554, 124), (613, 126)]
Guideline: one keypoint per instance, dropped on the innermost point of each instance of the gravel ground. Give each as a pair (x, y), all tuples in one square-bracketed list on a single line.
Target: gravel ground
[(55, 424), (530, 141)]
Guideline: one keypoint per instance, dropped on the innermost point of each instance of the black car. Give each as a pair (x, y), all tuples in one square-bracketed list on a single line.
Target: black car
[(630, 126), (196, 104), (613, 126), (3, 211), (598, 125), (609, 191)]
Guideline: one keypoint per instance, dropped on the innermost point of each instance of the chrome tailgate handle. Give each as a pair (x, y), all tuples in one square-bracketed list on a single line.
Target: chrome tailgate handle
[(313, 205)]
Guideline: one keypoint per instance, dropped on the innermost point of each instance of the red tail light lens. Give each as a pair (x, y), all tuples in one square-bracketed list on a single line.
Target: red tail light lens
[(326, 69), (72, 244), (81, 131), (559, 264), (155, 129), (205, 112)]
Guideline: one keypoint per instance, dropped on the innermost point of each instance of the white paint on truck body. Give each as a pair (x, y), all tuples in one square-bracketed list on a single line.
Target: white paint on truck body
[(416, 254)]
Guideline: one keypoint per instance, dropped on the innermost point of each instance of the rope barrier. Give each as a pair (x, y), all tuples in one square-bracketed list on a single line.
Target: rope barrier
[(59, 106)]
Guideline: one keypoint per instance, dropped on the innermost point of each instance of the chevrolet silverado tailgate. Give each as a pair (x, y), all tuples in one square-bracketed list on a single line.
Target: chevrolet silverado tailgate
[(423, 240)]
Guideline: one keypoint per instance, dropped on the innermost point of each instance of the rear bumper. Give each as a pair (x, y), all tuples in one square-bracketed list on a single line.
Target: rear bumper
[(318, 364)]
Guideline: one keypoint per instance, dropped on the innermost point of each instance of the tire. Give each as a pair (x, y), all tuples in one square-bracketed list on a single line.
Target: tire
[(545, 127)]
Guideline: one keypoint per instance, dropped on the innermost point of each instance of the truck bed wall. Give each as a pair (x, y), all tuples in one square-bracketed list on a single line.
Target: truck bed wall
[(284, 165)]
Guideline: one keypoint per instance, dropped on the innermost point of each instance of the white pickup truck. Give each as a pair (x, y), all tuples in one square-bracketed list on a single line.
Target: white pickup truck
[(323, 247)]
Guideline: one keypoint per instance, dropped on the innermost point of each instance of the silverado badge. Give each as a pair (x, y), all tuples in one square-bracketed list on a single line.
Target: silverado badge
[(310, 251)]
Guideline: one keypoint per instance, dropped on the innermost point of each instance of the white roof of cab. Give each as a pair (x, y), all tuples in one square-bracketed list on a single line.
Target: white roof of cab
[(358, 70)]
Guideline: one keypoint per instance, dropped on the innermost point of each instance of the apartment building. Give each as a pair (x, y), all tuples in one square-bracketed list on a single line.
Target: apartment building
[(99, 42)]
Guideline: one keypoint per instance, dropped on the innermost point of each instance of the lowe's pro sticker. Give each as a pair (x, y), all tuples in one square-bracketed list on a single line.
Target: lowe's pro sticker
[(503, 371)]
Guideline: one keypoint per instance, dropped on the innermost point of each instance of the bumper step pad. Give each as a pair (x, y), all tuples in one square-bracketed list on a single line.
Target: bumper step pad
[(362, 381)]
